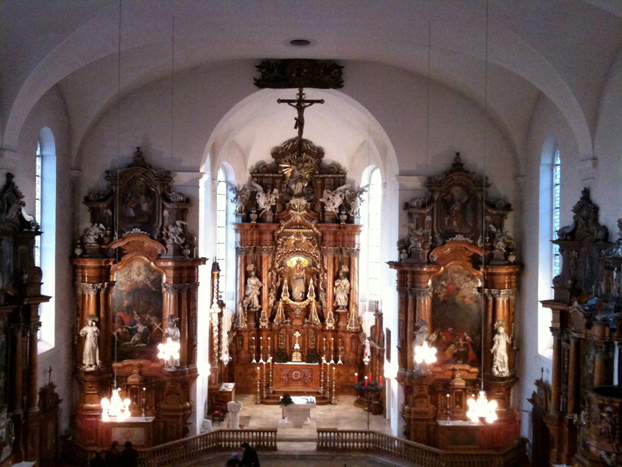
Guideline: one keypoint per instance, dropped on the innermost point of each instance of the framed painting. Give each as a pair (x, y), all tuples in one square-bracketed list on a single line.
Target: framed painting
[(138, 206), (137, 305), (457, 317)]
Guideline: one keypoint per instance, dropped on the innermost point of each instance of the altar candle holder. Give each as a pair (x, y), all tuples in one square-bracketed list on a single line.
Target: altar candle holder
[(261, 354), (270, 390), (334, 399), (258, 396), (448, 409), (253, 349), (263, 381), (322, 376), (144, 401)]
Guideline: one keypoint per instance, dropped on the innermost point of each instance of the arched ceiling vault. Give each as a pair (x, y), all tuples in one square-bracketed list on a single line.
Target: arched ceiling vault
[(562, 50)]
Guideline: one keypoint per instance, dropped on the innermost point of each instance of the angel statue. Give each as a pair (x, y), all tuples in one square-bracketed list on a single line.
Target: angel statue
[(92, 233), (354, 199), (333, 199), (264, 200), (241, 198)]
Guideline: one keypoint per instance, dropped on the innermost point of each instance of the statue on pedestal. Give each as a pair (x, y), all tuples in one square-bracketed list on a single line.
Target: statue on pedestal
[(500, 351), (90, 355), (342, 289), (253, 290), (298, 281)]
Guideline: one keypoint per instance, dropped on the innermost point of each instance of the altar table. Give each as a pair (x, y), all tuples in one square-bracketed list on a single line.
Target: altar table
[(299, 413), (296, 377)]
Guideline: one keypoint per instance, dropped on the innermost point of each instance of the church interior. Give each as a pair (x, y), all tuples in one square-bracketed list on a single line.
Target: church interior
[(402, 210)]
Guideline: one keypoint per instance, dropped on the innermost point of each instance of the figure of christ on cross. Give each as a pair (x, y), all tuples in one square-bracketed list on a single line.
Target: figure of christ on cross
[(300, 104)]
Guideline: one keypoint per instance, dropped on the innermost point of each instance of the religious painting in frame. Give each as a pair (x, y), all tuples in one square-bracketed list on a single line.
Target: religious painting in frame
[(457, 215), (457, 316), (137, 304), (138, 206)]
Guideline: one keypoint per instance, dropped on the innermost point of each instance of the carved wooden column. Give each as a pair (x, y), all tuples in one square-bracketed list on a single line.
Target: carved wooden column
[(402, 349), (557, 369), (600, 355), (353, 305), (329, 254), (411, 310), (574, 370), (16, 407)]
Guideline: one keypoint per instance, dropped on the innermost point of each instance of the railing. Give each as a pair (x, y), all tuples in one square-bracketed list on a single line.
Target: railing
[(213, 441), (418, 454)]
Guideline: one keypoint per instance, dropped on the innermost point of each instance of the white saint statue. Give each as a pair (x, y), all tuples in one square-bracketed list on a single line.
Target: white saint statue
[(342, 290), (173, 333), (90, 355), (253, 290), (500, 366), (367, 352)]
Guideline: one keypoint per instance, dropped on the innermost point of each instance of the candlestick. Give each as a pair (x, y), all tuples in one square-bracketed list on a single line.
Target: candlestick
[(370, 378), (365, 382), (380, 380), (253, 351), (263, 381), (144, 400), (261, 354), (356, 378), (258, 397), (270, 389), (334, 399), (448, 409), (321, 377)]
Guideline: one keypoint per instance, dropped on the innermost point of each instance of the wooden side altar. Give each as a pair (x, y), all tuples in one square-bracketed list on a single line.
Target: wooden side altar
[(457, 283), (134, 294)]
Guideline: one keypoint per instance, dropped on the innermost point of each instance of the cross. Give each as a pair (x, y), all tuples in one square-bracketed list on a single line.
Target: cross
[(300, 104), (50, 375)]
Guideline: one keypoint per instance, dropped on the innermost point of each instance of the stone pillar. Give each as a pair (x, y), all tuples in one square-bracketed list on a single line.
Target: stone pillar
[(234, 408)]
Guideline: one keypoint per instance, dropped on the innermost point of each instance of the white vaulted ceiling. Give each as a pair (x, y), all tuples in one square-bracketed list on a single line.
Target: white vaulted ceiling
[(556, 48)]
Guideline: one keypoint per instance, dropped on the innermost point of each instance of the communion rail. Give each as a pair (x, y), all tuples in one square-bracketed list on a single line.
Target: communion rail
[(213, 441), (418, 454)]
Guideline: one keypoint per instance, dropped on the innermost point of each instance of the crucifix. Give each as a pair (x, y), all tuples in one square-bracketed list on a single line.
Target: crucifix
[(300, 104)]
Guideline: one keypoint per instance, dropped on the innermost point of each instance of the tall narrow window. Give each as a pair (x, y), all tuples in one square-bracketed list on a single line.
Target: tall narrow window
[(45, 244), (38, 188), (556, 212), (375, 262), (371, 267), (221, 228)]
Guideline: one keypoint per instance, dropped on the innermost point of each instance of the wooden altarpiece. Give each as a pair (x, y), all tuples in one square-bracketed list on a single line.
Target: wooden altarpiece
[(131, 287), (457, 283), (583, 413), (20, 298), (297, 262)]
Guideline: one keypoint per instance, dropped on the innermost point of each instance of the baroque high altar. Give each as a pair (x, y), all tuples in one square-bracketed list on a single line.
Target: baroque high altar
[(297, 261)]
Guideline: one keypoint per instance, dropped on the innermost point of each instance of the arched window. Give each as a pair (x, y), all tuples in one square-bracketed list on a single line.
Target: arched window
[(45, 245), (557, 260), (221, 228), (549, 255), (370, 283)]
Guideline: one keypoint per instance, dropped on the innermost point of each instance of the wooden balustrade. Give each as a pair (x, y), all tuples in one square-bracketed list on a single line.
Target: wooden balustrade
[(418, 454), (213, 441)]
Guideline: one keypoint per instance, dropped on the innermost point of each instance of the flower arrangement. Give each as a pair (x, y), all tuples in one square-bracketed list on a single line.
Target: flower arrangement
[(281, 356), (373, 387), (312, 356), (286, 400)]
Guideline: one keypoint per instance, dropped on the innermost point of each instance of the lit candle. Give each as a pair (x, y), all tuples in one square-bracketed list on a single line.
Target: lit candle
[(380, 380), (356, 378), (365, 381), (257, 372)]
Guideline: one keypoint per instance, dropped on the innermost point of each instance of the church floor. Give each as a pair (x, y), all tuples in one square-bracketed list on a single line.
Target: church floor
[(342, 416)]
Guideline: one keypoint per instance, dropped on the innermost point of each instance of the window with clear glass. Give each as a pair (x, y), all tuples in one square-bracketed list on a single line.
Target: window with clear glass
[(38, 187), (556, 212), (221, 228), (374, 238)]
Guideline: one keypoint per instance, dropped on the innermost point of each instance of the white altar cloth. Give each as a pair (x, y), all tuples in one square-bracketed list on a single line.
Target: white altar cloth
[(299, 413)]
